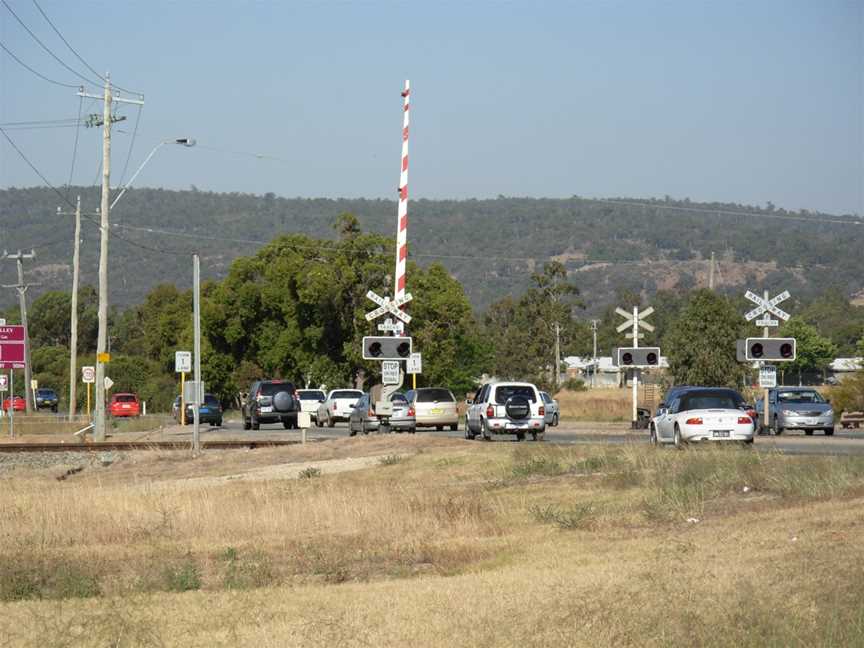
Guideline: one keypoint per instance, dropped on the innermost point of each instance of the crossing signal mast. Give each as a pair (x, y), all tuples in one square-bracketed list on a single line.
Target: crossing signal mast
[(636, 357)]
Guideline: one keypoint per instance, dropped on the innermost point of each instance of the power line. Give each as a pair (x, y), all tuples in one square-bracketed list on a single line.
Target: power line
[(38, 74), (45, 47), (75, 147), (72, 49), (131, 144), (33, 166)]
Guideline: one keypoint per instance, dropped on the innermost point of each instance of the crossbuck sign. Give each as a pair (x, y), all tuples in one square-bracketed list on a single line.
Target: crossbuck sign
[(388, 306), (768, 307), (635, 321)]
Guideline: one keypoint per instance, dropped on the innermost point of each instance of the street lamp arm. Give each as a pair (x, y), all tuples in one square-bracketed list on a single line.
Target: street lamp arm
[(183, 141)]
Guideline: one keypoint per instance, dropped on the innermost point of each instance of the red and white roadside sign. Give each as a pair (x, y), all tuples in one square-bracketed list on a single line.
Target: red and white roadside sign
[(12, 347)]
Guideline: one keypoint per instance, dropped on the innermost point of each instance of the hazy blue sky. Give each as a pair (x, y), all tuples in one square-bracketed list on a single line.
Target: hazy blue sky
[(737, 101)]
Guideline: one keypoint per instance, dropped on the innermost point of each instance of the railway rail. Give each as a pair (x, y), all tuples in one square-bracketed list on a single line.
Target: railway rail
[(113, 446)]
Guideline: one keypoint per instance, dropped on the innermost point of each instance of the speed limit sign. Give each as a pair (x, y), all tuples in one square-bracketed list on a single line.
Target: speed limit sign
[(88, 374)]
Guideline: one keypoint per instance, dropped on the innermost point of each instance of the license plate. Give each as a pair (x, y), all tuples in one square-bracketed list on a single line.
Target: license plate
[(266, 410), (205, 410), (436, 410), (125, 406), (813, 422), (721, 434)]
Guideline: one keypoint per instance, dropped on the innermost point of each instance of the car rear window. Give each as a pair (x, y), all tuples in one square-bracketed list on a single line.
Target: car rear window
[(211, 400), (347, 394), (45, 392), (809, 396), (398, 398), (312, 395), (433, 395), (125, 398), (708, 400), (270, 389), (505, 392)]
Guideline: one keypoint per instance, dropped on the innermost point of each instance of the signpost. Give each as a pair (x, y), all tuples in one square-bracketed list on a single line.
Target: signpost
[(766, 307), (635, 321), (88, 375), (4, 382), (12, 356), (182, 364), (414, 366)]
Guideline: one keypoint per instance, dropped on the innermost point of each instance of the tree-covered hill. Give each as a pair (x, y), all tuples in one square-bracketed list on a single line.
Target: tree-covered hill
[(491, 246)]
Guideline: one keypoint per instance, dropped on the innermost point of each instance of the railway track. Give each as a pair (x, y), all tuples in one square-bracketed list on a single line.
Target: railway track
[(110, 446)]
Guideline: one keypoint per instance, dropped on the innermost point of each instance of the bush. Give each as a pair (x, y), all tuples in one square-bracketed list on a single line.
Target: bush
[(309, 473), (184, 576), (575, 384)]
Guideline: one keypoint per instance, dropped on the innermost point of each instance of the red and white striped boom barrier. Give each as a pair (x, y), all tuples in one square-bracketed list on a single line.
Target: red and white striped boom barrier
[(402, 213)]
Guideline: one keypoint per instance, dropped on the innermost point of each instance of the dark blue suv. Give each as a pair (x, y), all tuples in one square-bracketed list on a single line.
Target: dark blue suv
[(46, 398)]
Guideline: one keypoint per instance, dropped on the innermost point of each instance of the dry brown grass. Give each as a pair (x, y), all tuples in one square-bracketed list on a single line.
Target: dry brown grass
[(596, 405), (453, 543)]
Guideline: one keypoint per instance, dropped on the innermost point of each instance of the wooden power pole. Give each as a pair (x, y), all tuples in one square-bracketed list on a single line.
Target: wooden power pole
[(73, 328)]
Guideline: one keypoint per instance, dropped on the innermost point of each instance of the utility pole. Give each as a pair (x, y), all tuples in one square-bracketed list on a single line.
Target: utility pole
[(196, 314), (557, 355), (594, 324), (99, 419), (22, 301), (711, 274), (73, 329)]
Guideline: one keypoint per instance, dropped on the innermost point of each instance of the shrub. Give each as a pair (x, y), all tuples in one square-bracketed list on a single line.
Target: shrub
[(309, 473), (575, 384), (184, 576)]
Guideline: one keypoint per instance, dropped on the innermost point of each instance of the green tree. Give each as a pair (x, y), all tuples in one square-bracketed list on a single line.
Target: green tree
[(701, 342), (813, 351), (50, 319)]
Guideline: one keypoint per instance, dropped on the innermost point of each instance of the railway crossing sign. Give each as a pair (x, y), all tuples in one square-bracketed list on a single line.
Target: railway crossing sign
[(767, 307), (388, 306), (768, 377), (635, 321)]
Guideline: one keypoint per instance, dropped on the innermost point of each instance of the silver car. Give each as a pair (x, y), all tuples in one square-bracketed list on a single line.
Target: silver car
[(552, 410), (797, 408), (363, 418)]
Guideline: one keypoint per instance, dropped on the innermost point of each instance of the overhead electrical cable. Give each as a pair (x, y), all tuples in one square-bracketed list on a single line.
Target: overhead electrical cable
[(38, 74), (46, 48), (33, 166)]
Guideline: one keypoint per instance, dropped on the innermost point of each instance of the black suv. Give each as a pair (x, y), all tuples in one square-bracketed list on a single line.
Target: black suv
[(271, 401)]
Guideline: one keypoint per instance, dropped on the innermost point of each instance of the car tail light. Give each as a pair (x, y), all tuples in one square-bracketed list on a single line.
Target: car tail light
[(490, 412), (744, 420), (694, 421), (542, 411), (334, 407), (411, 412)]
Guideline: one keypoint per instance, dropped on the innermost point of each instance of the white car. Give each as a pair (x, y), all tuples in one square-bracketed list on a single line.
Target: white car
[(337, 407), (434, 407), (702, 414), (310, 399), (553, 412), (506, 408)]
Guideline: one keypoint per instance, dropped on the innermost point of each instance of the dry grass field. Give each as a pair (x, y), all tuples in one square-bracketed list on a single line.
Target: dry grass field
[(416, 541), (608, 405)]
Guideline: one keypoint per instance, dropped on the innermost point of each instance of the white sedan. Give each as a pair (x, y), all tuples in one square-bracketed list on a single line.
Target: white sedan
[(705, 414)]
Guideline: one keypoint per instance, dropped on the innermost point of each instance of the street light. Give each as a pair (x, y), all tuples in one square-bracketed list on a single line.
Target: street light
[(182, 141)]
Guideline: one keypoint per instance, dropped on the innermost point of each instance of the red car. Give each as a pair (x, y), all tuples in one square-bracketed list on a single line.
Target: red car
[(124, 405), (20, 404)]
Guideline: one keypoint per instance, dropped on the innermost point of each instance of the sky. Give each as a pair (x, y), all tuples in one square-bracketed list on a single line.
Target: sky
[(744, 102)]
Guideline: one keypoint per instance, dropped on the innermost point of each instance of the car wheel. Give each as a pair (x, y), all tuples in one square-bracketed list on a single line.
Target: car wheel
[(520, 436), (468, 433), (808, 432), (219, 422), (555, 420), (255, 424), (439, 427), (777, 429), (676, 438), (536, 436), (331, 422), (54, 409), (412, 430), (362, 427), (829, 431), (287, 425), (454, 427), (652, 435), (484, 431), (246, 424)]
